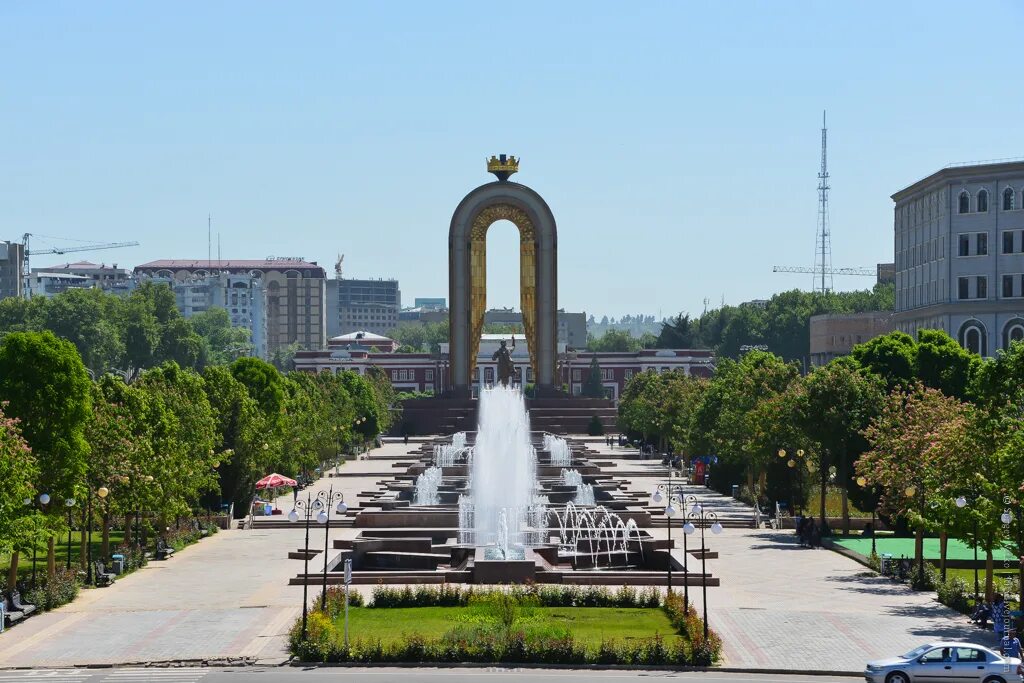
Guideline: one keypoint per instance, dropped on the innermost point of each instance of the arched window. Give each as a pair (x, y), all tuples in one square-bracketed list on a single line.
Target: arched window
[(1013, 331), (973, 338), (982, 201), (965, 202), (1008, 196)]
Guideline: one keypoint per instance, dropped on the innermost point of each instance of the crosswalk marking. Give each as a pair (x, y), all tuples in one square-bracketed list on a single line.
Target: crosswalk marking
[(182, 675), (51, 675)]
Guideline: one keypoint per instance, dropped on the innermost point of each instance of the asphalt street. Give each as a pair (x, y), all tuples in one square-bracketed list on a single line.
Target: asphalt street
[(386, 675)]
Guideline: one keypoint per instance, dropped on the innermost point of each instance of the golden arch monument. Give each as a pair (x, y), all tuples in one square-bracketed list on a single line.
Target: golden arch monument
[(467, 274)]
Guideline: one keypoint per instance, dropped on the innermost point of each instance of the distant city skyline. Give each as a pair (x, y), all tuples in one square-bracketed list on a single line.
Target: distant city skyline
[(677, 144)]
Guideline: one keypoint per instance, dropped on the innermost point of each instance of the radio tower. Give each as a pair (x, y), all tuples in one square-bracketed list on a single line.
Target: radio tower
[(823, 246)]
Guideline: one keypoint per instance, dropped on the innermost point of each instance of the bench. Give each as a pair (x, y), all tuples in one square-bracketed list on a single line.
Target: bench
[(15, 604), (10, 618), (163, 551), (102, 576)]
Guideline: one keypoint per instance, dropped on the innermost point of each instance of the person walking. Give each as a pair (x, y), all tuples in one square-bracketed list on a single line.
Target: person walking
[(1009, 645), (999, 615)]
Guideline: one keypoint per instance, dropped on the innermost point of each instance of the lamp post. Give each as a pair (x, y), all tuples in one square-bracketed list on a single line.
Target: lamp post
[(961, 502), (69, 503), (44, 500), (325, 518), (102, 493), (698, 513), (863, 482), (669, 491), (308, 508)]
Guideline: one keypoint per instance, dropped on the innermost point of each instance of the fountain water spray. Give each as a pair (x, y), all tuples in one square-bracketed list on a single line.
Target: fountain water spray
[(561, 454), (427, 485), (503, 473)]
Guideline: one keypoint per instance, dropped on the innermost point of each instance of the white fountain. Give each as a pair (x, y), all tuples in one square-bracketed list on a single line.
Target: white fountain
[(427, 485), (503, 476), (561, 454)]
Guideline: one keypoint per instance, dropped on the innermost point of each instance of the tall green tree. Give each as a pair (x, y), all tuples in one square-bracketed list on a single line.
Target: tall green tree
[(18, 471), (593, 387), (45, 386)]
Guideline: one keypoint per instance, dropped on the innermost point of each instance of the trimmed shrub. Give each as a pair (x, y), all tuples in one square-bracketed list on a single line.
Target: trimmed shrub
[(545, 596), (52, 594), (595, 427)]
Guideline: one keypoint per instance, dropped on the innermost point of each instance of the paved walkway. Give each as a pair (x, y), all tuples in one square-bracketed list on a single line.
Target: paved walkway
[(225, 597), (781, 606)]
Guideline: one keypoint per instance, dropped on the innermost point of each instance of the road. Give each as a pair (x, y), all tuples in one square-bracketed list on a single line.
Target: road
[(386, 675)]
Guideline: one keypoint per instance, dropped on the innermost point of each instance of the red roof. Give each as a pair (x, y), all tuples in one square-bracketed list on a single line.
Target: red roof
[(229, 264)]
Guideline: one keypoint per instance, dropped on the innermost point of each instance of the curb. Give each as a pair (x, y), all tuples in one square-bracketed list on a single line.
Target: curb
[(576, 667), (217, 662)]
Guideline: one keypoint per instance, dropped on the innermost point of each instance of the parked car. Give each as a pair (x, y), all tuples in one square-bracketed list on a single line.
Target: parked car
[(944, 662)]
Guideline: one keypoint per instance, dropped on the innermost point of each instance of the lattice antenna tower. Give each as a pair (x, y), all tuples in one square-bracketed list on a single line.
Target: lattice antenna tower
[(823, 241)]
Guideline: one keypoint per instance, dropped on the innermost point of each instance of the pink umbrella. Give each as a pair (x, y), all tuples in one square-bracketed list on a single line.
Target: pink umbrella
[(274, 481)]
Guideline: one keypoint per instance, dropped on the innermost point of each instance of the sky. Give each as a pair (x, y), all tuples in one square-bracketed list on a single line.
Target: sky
[(677, 143)]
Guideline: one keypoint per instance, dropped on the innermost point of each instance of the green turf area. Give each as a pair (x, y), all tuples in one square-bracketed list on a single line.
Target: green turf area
[(60, 551), (588, 625), (904, 547)]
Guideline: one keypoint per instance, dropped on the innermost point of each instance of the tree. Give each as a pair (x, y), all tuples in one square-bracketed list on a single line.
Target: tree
[(223, 342), (284, 358), (238, 443), (593, 387), (893, 357), (918, 455), (18, 469), (46, 388), (838, 404), (613, 340)]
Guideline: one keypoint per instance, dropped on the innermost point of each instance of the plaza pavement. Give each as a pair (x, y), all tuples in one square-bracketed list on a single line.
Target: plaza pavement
[(781, 606), (226, 598)]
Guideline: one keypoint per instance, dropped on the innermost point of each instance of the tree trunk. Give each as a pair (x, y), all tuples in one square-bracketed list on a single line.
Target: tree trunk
[(83, 552), (988, 575), (846, 512), (12, 572), (105, 549), (824, 491), (918, 546), (51, 558), (943, 540), (127, 530)]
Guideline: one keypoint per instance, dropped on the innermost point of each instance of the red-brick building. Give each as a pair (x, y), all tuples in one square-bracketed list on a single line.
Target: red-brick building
[(429, 373)]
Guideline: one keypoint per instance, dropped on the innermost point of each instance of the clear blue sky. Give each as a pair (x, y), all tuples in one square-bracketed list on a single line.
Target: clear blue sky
[(676, 142)]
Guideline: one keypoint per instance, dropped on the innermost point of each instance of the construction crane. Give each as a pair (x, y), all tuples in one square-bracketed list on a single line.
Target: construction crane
[(26, 253), (817, 270)]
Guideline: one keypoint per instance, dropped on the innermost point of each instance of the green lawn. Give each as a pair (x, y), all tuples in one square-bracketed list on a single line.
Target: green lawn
[(25, 561), (588, 625), (904, 547)]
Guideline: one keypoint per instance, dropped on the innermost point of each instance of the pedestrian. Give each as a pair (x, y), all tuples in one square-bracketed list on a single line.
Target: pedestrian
[(999, 615), (1009, 645)]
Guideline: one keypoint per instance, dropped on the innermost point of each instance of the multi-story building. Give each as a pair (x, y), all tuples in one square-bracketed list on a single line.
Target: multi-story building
[(834, 335), (959, 244), (11, 276), (281, 300), (363, 305), (430, 303), (424, 372), (100, 274)]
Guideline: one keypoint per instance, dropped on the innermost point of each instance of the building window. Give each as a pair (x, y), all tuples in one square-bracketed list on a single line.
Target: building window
[(1007, 286), (1013, 331), (972, 337), (965, 202), (962, 288), (429, 375), (394, 375), (981, 286), (982, 201), (576, 375), (965, 245), (1008, 242), (629, 373), (981, 243), (1008, 196)]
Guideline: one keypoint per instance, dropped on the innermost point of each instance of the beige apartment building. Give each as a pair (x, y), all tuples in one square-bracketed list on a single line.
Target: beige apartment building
[(834, 335)]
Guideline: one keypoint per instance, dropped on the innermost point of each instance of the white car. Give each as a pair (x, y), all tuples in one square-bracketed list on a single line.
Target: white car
[(945, 662)]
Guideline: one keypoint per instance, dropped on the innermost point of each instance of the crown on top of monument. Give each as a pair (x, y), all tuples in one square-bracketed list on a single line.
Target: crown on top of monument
[(502, 166)]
